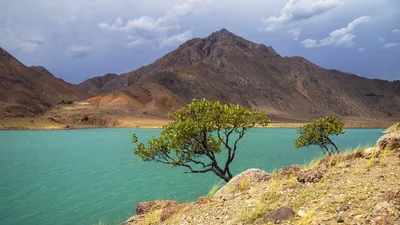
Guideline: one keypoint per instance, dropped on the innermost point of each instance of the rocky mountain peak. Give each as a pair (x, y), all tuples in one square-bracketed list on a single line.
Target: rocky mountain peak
[(226, 38)]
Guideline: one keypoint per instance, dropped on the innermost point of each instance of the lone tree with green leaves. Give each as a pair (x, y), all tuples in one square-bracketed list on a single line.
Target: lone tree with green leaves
[(317, 133), (201, 130)]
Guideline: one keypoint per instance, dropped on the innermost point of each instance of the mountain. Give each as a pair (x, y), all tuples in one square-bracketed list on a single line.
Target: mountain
[(28, 91), (228, 68), (94, 85)]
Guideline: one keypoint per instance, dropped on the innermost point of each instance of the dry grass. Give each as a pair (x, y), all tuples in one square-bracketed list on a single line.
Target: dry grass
[(216, 186)]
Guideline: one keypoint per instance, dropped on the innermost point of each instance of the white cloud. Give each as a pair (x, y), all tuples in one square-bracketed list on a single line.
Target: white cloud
[(344, 36), (295, 33), (295, 10), (78, 51), (361, 49), (396, 31), (390, 45), (148, 30), (381, 39), (176, 39), (164, 23), (26, 43), (309, 43)]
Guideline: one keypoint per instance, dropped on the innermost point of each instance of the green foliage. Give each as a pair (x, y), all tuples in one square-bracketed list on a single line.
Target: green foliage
[(317, 133), (201, 130)]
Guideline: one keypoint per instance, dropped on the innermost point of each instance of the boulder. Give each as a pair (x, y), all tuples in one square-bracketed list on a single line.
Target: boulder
[(145, 207), (168, 207), (293, 170), (251, 176), (280, 214), (390, 141), (369, 152), (344, 165), (312, 175)]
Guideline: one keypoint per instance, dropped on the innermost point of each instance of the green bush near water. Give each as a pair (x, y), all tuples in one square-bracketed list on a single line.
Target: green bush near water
[(318, 132)]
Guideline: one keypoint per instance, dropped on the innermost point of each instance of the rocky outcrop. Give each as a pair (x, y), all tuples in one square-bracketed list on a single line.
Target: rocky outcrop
[(395, 127), (166, 208), (293, 170), (242, 181), (280, 214), (312, 175), (389, 141)]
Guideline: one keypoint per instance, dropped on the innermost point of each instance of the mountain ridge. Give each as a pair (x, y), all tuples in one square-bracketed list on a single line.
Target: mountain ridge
[(30, 91), (228, 68)]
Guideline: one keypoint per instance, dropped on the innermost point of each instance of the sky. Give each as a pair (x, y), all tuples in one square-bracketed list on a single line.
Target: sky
[(76, 39)]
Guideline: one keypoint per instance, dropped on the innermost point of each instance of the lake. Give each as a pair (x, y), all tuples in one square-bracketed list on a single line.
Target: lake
[(82, 176)]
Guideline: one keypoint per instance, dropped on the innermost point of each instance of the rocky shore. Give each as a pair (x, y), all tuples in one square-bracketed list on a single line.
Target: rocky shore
[(360, 187)]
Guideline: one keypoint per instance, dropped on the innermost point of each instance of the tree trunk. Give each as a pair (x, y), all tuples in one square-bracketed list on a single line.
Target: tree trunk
[(333, 144)]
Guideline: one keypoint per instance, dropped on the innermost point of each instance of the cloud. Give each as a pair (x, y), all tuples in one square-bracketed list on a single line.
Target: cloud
[(164, 23), (396, 31), (295, 10), (361, 49), (77, 51), (162, 31), (309, 43), (26, 43), (295, 33), (390, 45), (176, 39), (344, 36), (381, 39)]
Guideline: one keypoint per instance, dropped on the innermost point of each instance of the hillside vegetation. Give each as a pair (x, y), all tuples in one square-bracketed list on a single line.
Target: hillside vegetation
[(358, 187)]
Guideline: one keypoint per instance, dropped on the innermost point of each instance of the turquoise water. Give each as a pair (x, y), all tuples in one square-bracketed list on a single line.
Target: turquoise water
[(80, 176)]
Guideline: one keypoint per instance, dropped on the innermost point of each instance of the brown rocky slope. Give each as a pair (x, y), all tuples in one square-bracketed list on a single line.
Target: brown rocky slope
[(361, 187), (230, 69), (28, 91)]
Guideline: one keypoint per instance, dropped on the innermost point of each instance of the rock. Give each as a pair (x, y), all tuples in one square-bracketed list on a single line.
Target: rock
[(343, 208), (67, 127), (390, 141), (279, 215), (170, 208), (289, 171), (253, 176), (382, 205), (369, 152), (312, 175), (301, 213), (227, 197), (202, 200), (344, 165), (340, 220), (146, 207)]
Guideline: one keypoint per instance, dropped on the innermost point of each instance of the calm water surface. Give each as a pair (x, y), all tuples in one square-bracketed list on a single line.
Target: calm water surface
[(80, 176)]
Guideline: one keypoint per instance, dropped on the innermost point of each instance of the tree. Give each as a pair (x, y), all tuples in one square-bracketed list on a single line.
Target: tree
[(317, 133), (200, 131)]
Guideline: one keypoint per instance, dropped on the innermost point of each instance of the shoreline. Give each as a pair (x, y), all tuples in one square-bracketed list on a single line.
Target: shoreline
[(38, 123), (273, 125)]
